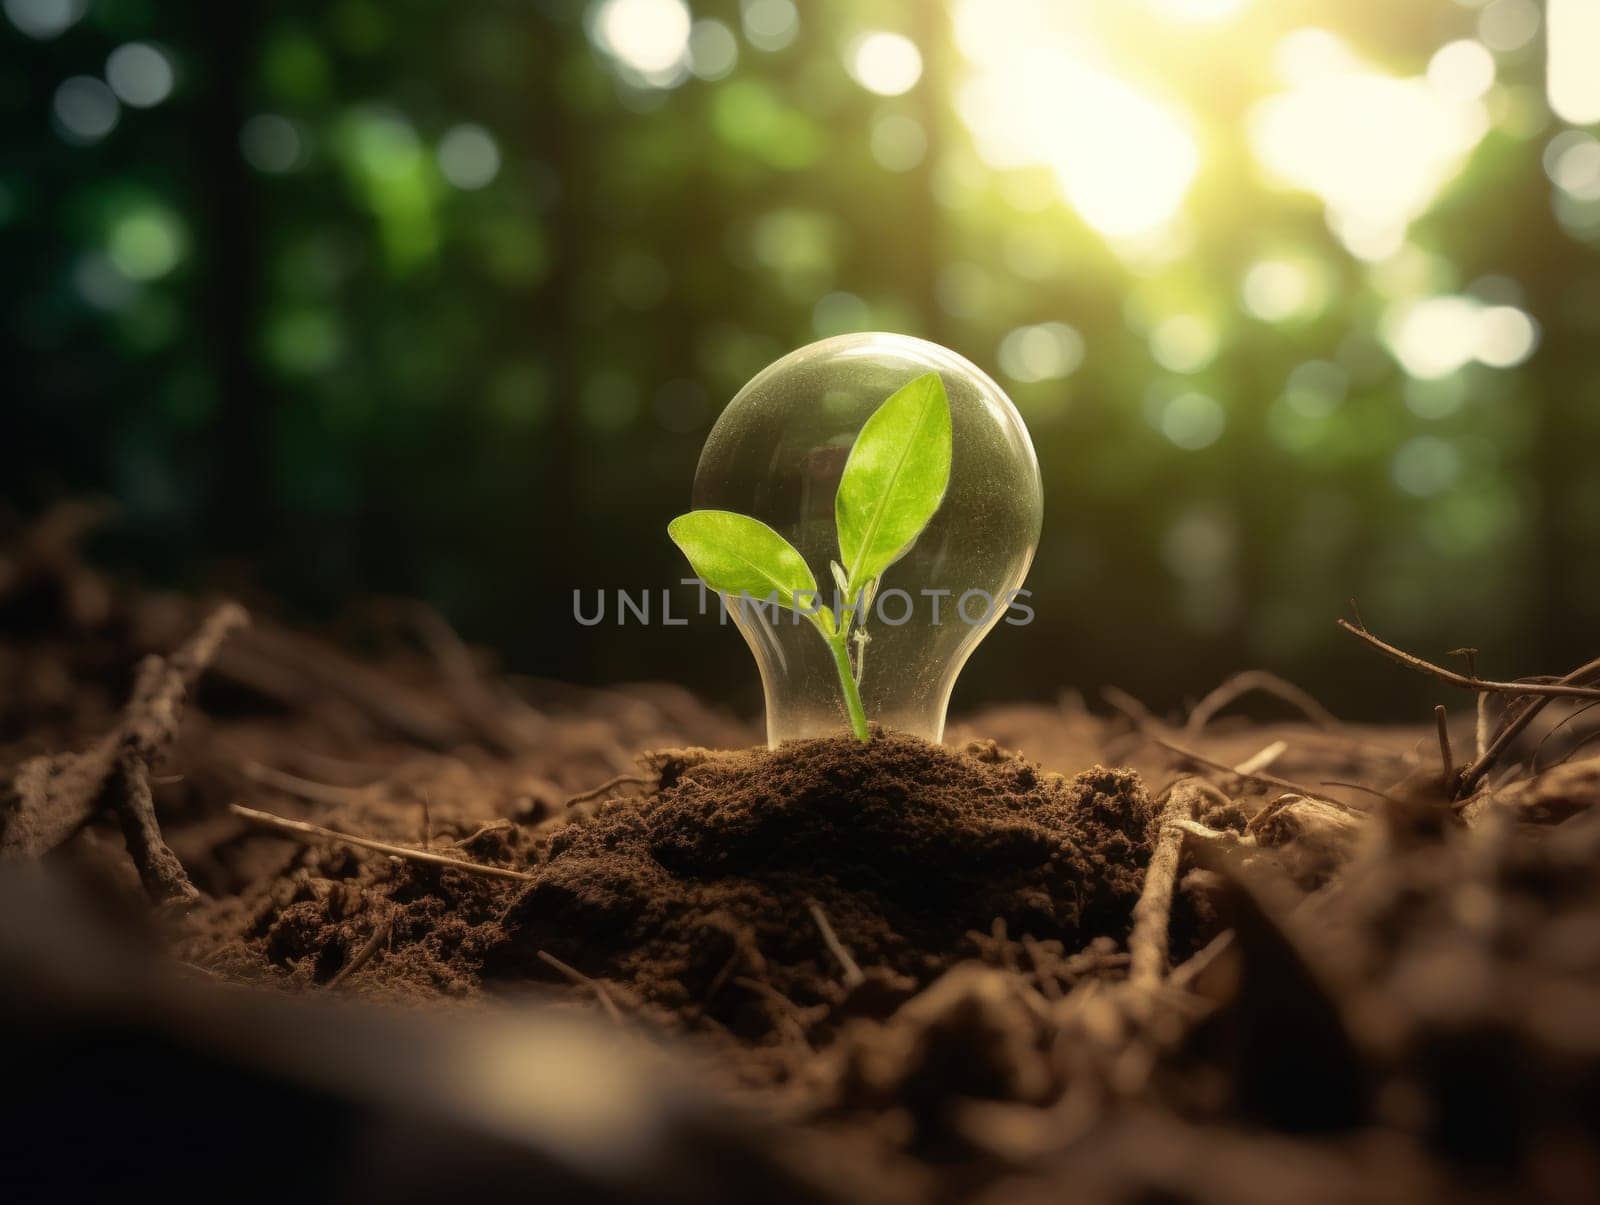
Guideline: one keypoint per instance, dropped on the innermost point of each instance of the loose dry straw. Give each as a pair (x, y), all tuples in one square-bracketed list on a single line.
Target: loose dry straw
[(302, 831)]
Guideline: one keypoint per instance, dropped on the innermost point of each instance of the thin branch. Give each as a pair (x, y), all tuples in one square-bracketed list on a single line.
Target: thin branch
[(1143, 718), (1184, 976), (1356, 786), (301, 788), (852, 972), (1554, 690), (582, 980), (1250, 680), (48, 799), (1514, 726), (1545, 740), (1270, 780), (1147, 943), (300, 830), (380, 933), (160, 871), (1263, 758), (609, 785)]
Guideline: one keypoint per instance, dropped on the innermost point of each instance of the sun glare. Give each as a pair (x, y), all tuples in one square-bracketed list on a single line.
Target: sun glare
[(1437, 336), (886, 63), (1376, 148), (651, 37), (1574, 80), (1120, 158), (1198, 11)]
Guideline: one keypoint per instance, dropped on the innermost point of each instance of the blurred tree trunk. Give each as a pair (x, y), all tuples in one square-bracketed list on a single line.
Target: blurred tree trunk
[(240, 487)]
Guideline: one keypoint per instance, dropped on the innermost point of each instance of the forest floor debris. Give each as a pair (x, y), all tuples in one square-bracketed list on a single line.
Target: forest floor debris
[(1212, 973)]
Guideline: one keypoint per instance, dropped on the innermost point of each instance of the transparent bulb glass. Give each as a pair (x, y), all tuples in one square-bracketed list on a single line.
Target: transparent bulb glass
[(777, 453)]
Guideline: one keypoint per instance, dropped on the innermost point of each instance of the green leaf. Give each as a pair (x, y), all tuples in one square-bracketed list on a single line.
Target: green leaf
[(735, 554), (894, 479)]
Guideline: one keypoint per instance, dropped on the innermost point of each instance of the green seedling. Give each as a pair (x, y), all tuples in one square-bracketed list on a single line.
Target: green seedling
[(893, 484)]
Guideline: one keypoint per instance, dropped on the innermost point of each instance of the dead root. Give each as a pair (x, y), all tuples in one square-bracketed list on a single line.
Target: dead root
[(49, 799)]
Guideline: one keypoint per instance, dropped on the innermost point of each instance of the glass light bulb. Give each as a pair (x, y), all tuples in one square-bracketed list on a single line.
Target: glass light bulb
[(777, 453)]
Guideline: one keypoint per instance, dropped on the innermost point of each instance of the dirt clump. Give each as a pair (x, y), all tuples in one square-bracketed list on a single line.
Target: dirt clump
[(751, 884)]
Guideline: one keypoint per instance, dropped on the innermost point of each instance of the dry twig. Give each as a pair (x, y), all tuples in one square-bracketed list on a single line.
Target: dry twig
[(1250, 680), (1270, 780), (582, 980), (1512, 726), (49, 799), (1563, 689), (606, 787), (380, 934), (301, 830), (852, 972), (301, 788), (1147, 944)]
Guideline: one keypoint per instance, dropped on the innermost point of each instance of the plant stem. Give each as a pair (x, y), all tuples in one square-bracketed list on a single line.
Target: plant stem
[(847, 683)]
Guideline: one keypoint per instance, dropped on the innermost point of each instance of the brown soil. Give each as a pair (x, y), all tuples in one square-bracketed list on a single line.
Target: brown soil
[(925, 974), (701, 901)]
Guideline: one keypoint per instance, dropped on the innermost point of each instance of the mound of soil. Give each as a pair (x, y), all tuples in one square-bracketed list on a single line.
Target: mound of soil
[(748, 865), (742, 887)]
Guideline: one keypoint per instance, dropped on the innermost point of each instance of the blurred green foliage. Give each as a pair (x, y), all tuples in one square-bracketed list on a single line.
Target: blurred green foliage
[(440, 299)]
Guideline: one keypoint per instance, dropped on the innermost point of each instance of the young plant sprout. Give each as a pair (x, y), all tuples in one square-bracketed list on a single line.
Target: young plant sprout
[(894, 481), (875, 488)]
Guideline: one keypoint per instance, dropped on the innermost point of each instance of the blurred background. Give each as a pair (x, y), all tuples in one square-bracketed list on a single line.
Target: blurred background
[(1300, 300)]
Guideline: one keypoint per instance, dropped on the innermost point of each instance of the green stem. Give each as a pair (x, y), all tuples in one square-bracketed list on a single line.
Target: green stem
[(847, 683)]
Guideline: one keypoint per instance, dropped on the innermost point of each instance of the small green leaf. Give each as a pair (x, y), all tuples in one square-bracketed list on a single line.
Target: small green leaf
[(735, 554), (894, 479)]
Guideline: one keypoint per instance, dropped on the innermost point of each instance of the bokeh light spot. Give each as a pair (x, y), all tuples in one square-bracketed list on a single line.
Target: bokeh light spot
[(1047, 351), (271, 143), (899, 142), (840, 313), (99, 283), (147, 243), (1572, 161), (1572, 81), (1508, 25), (1439, 335), (770, 24), (886, 63), (1184, 343), (1277, 290), (1426, 465), (140, 74), (651, 37), (1506, 336), (85, 110), (45, 19), (305, 342), (1433, 337), (1437, 398), (1193, 421), (469, 157), (1462, 70), (1315, 388), (713, 50)]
